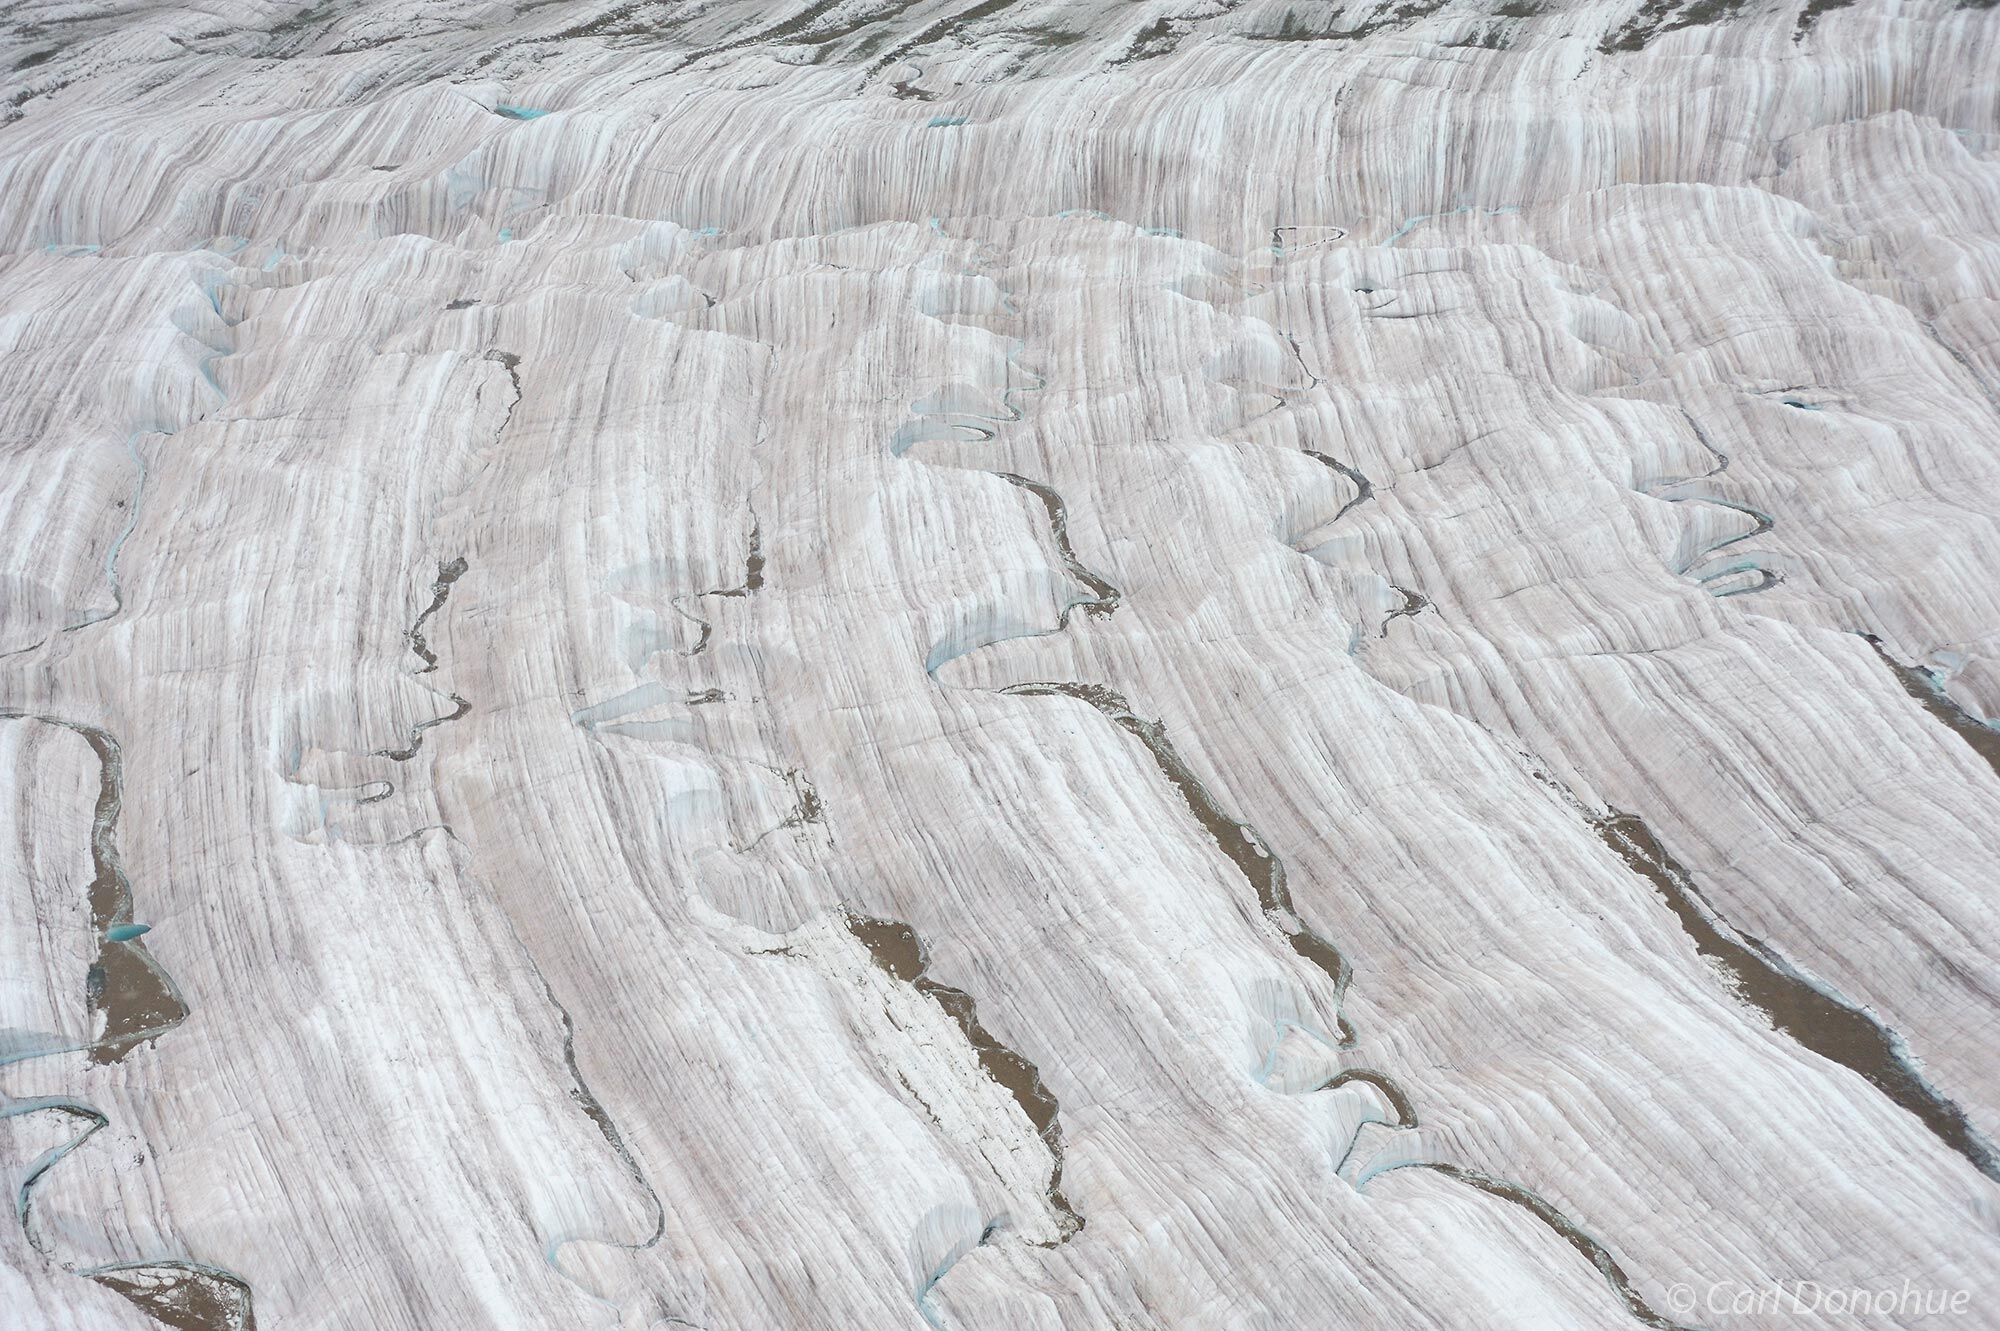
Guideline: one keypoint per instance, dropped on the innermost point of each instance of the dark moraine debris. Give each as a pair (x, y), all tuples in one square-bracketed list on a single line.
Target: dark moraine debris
[(753, 566), (637, 19), (447, 575), (1239, 842), (1391, 1089), (896, 948), (1662, 16), (1414, 603), (801, 28), (1811, 15), (593, 1108), (1314, 28), (1829, 1026), (808, 810), (137, 1000), (1292, 29), (1291, 339), (1150, 43), (1046, 37), (1573, 1234), (945, 27), (132, 998), (1922, 685), (1104, 597), (183, 1295), (1364, 489), (510, 362), (753, 581), (324, 11)]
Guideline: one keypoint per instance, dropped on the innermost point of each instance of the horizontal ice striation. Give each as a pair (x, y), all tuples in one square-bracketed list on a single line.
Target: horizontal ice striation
[(1405, 594)]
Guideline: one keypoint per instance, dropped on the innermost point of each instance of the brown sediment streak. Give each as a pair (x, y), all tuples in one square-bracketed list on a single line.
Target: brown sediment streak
[(1391, 1090), (1300, 356), (1104, 597), (796, 28), (1364, 488), (753, 581), (1543, 1210), (1414, 604), (940, 30), (1290, 31), (753, 566), (1922, 685), (593, 1109), (133, 1000), (1657, 17), (186, 1296), (1811, 15), (895, 948), (1238, 841), (1819, 1021), (807, 808), (447, 574), (510, 362)]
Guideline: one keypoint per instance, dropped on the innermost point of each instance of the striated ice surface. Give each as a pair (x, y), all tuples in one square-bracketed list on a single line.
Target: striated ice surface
[(1226, 665)]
